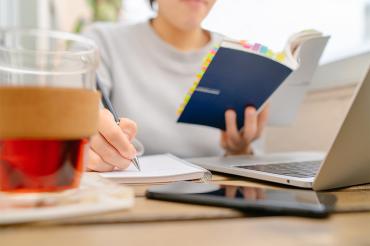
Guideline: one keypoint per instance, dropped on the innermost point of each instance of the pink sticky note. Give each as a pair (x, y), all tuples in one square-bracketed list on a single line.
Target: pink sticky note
[(256, 47), (247, 46)]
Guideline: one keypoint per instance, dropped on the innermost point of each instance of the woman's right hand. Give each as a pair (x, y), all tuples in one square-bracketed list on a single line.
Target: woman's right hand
[(111, 147), (237, 142)]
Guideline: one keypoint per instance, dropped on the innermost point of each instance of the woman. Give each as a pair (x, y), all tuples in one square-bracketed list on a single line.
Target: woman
[(147, 68)]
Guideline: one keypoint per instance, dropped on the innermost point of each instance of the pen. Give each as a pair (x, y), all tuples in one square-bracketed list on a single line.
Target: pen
[(107, 104)]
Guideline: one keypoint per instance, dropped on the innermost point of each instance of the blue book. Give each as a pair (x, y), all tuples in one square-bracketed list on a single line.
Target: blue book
[(234, 75)]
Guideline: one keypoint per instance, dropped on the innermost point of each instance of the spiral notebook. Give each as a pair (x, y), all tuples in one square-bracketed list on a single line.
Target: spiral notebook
[(158, 169)]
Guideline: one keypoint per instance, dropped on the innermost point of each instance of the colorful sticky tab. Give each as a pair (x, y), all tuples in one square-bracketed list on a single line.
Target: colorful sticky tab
[(206, 61), (280, 57), (264, 50), (245, 44), (187, 98), (256, 47), (192, 89), (270, 53)]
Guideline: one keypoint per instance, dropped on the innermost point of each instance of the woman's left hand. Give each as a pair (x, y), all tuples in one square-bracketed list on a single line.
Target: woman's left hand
[(239, 142)]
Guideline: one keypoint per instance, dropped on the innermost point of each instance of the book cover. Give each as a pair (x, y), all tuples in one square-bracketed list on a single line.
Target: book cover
[(233, 76)]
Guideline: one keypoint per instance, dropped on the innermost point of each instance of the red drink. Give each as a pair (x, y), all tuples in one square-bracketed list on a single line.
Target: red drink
[(43, 134), (49, 108), (40, 165)]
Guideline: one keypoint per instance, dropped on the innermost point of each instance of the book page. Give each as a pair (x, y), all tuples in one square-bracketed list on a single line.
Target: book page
[(155, 166)]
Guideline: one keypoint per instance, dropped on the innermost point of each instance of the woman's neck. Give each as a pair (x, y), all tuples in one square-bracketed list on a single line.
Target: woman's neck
[(182, 40)]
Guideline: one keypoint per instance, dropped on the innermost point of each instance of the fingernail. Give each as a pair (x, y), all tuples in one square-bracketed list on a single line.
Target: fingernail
[(230, 112), (251, 110)]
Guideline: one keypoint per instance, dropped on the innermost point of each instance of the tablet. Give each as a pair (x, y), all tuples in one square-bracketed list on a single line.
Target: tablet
[(247, 199)]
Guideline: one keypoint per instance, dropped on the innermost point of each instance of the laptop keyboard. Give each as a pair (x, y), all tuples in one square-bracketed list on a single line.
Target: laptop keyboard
[(306, 169)]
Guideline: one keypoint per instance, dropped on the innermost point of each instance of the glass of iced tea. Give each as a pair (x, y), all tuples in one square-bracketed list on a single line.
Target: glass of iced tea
[(48, 109)]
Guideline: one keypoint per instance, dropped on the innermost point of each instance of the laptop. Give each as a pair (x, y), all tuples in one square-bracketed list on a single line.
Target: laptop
[(346, 163)]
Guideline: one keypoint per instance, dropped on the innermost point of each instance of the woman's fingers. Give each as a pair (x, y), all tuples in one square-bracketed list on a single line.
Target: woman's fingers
[(230, 191), (250, 193), (240, 142), (108, 153), (97, 164), (223, 140), (233, 135), (129, 127), (111, 147), (114, 135), (250, 124)]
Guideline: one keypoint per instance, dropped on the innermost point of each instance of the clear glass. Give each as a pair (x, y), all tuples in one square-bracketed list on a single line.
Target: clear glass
[(47, 58), (43, 59)]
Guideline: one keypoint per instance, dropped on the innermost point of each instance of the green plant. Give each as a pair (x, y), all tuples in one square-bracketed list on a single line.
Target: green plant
[(101, 10)]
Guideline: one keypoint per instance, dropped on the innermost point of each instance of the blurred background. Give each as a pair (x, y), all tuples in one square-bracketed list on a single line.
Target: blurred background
[(270, 22)]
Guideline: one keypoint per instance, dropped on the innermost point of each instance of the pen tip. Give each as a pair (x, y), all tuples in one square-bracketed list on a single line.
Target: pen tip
[(136, 163)]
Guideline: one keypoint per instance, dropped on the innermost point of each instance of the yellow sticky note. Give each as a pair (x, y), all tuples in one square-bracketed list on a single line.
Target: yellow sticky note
[(280, 57), (179, 111), (270, 53), (187, 98)]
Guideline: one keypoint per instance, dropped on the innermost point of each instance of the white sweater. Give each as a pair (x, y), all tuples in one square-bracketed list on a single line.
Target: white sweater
[(147, 80)]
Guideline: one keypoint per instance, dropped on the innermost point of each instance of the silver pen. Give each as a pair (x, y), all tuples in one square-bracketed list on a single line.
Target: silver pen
[(107, 104), (135, 161)]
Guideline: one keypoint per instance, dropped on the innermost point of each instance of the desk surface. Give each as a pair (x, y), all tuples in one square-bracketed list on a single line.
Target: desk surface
[(162, 223)]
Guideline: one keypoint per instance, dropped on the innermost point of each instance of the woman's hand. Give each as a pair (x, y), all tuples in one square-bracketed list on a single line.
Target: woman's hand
[(239, 142), (111, 147)]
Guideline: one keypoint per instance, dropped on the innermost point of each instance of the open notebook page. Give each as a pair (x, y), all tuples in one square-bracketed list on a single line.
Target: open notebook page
[(157, 168)]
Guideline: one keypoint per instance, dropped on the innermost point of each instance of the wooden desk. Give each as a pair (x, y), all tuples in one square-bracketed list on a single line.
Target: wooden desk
[(162, 223)]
